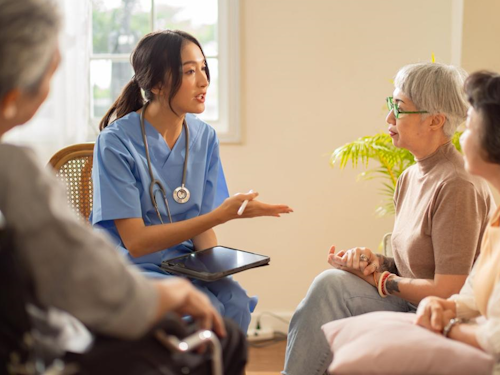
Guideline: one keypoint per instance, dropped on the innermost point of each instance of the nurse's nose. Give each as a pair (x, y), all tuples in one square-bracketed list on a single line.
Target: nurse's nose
[(203, 80)]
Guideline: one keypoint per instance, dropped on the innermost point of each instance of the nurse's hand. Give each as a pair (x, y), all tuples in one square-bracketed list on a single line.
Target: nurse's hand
[(254, 208), (180, 296)]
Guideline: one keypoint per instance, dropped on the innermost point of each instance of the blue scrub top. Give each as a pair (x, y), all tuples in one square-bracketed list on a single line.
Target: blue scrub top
[(121, 179)]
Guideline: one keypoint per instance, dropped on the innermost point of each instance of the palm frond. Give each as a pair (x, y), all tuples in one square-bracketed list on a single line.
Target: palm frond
[(392, 162)]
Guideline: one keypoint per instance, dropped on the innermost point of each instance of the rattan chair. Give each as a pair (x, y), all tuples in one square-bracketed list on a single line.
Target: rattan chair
[(73, 165)]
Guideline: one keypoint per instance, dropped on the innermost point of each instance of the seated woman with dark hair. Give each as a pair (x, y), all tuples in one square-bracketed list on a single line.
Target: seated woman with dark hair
[(76, 273), (480, 295)]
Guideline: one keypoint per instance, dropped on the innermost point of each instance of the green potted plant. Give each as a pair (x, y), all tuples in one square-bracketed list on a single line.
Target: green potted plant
[(392, 161)]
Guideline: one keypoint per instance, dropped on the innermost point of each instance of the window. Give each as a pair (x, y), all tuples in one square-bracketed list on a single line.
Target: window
[(117, 26)]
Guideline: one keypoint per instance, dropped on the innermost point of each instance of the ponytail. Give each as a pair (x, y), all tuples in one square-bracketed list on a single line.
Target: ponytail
[(130, 100)]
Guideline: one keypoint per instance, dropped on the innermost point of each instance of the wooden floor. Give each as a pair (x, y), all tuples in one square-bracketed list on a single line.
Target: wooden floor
[(266, 361)]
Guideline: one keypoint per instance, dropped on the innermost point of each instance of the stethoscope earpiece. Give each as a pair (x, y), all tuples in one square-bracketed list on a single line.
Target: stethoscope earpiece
[(181, 194)]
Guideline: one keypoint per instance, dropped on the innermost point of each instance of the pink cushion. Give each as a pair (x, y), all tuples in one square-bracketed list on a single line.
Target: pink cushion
[(389, 343)]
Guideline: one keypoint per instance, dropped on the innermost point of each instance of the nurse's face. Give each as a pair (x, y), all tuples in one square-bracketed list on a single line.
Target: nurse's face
[(191, 95)]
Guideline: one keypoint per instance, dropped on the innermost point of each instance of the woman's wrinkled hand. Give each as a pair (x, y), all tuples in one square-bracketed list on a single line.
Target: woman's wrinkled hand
[(434, 313), (359, 259), (335, 260), (254, 208)]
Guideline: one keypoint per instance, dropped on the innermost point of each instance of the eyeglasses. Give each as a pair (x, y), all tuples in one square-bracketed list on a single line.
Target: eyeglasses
[(394, 107)]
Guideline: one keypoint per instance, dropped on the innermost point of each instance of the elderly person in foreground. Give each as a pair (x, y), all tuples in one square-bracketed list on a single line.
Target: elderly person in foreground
[(480, 296), (75, 272), (441, 213)]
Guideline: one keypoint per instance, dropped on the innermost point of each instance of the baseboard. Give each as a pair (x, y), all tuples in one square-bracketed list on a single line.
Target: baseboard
[(275, 320)]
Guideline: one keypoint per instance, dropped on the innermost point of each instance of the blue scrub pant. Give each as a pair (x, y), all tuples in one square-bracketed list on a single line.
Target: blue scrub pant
[(226, 295)]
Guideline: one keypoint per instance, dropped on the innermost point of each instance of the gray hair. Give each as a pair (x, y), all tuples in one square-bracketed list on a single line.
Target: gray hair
[(436, 88), (28, 38)]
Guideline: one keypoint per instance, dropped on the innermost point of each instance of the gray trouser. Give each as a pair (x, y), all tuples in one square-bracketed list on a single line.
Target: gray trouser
[(334, 294)]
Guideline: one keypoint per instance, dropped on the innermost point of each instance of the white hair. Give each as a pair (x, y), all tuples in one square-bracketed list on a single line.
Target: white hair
[(28, 39), (436, 88)]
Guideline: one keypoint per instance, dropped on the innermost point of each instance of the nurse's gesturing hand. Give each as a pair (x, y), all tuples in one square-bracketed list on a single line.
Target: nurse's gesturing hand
[(141, 239), (254, 208)]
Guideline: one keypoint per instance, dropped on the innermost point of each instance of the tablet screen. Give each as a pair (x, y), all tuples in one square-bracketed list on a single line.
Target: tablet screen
[(216, 260)]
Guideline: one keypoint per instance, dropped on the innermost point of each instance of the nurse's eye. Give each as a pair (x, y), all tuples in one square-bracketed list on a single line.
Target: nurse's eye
[(190, 71)]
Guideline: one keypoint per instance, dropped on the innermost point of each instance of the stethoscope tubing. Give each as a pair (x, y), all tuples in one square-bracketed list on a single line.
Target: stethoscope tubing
[(154, 181)]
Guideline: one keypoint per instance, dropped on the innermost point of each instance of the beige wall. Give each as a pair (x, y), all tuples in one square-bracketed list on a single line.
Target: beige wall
[(480, 40), (314, 76), (481, 34)]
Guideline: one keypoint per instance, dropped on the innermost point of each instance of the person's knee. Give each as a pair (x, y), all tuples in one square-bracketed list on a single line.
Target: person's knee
[(216, 303), (328, 283)]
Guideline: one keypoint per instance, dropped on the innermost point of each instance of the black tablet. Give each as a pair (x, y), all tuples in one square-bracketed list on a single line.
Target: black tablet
[(214, 263)]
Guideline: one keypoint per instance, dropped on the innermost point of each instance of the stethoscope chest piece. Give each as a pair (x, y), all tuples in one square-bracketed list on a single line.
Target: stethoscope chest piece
[(181, 194)]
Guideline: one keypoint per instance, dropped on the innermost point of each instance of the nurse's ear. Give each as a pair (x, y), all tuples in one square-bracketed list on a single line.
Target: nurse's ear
[(156, 90)]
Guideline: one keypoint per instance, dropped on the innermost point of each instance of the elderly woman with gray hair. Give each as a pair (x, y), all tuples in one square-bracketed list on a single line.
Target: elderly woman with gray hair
[(441, 213)]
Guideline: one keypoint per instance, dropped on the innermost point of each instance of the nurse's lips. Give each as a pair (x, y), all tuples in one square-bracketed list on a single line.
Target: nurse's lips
[(201, 97)]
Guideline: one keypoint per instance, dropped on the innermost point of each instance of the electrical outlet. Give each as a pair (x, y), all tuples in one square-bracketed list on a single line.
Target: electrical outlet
[(260, 334)]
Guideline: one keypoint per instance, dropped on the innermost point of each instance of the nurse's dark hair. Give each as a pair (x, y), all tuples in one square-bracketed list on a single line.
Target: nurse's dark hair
[(157, 62), (483, 92)]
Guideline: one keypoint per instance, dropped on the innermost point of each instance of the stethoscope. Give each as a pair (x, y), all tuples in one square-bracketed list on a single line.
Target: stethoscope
[(181, 194)]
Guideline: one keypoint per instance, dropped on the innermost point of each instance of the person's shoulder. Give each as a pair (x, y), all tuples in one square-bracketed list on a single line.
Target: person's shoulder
[(406, 174), (18, 157), (123, 127), (121, 130), (464, 184), (200, 128)]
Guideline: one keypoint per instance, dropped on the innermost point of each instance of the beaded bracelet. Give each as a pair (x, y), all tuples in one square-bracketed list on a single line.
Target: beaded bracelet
[(381, 284)]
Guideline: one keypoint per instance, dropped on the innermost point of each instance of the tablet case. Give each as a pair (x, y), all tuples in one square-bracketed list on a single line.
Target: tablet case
[(184, 264)]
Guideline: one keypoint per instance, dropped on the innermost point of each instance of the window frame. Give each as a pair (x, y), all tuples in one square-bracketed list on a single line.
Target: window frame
[(228, 56)]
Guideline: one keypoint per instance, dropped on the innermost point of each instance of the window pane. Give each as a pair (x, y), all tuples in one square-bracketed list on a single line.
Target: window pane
[(196, 17), (212, 101), (117, 25), (107, 79)]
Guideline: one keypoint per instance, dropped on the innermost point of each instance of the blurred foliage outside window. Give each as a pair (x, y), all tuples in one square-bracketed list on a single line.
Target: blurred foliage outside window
[(118, 25)]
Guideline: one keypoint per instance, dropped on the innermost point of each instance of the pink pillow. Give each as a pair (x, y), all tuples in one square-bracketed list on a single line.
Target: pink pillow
[(389, 343)]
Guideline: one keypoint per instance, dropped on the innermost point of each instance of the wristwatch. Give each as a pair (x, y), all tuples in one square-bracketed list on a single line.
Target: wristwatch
[(451, 324)]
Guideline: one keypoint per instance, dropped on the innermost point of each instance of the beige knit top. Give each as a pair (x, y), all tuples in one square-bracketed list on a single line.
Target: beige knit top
[(441, 214)]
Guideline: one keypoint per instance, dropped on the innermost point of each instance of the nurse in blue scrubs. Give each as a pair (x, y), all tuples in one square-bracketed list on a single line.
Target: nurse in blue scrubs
[(159, 186)]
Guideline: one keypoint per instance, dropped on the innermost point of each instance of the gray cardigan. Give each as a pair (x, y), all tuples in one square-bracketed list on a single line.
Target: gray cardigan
[(74, 268)]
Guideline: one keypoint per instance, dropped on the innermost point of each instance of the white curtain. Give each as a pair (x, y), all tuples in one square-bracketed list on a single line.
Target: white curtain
[(64, 118)]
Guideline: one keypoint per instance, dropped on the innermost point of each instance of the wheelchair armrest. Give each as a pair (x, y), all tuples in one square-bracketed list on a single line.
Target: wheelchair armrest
[(171, 333)]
